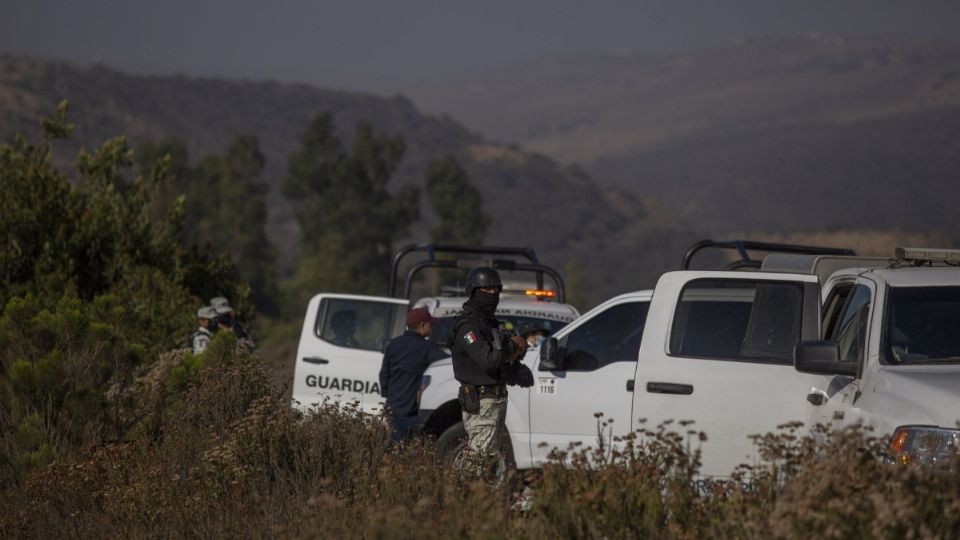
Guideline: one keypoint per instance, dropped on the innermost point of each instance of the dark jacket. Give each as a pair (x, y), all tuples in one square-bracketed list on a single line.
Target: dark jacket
[(404, 362), (477, 360)]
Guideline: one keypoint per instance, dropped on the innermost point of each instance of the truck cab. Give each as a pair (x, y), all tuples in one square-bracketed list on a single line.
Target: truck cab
[(715, 347), (559, 409), (343, 337), (711, 346), (889, 353)]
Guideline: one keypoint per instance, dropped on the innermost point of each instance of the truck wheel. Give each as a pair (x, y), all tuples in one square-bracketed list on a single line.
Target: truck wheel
[(452, 445)]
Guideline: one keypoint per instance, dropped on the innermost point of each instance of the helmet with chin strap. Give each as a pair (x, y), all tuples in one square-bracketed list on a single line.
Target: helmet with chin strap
[(482, 277)]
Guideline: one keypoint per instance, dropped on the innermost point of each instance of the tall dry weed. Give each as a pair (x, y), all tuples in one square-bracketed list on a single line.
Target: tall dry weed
[(231, 459)]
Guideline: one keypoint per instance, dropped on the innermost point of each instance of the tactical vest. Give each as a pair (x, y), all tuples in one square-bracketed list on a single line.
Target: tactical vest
[(465, 369)]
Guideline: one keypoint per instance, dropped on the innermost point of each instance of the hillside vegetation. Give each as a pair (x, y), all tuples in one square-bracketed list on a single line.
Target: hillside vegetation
[(621, 240)]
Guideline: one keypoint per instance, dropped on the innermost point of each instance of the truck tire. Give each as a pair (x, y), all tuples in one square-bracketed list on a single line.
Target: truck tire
[(452, 443)]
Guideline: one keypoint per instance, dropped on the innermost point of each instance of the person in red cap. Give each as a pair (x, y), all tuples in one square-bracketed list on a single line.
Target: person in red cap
[(404, 362)]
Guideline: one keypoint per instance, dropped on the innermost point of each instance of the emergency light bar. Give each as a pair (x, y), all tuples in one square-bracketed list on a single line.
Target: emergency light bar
[(927, 254), (541, 294)]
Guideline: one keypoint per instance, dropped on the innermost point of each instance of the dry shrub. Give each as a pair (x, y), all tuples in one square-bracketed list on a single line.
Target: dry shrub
[(232, 459), (847, 488), (642, 486)]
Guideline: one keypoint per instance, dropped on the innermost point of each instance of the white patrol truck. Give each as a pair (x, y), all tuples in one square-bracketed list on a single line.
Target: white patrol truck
[(888, 355), (341, 345), (712, 346), (606, 340)]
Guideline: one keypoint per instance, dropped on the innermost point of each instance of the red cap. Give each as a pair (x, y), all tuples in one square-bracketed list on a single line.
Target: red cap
[(418, 315)]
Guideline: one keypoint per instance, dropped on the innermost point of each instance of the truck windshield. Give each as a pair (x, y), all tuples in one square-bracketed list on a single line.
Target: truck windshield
[(441, 329), (922, 325)]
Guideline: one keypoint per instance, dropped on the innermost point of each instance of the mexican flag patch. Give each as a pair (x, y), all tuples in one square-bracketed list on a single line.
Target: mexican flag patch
[(470, 338)]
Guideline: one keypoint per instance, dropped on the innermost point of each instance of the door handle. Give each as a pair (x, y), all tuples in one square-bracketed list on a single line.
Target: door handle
[(815, 397), (315, 360), (669, 388), (629, 385)]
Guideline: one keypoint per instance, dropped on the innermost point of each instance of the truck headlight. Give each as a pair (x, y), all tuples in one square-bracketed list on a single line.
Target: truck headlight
[(925, 445)]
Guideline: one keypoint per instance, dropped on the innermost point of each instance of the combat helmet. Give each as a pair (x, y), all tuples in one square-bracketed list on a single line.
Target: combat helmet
[(482, 276)]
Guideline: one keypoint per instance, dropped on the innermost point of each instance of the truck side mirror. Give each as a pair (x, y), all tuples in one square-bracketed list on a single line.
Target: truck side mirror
[(822, 358), (551, 358)]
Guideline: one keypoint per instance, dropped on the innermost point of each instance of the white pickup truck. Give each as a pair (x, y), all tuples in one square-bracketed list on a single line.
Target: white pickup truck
[(889, 353), (344, 335), (818, 338), (712, 346), (873, 340)]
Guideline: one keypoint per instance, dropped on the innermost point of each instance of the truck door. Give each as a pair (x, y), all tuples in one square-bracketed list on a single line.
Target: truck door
[(341, 349), (718, 350), (600, 357), (846, 320)]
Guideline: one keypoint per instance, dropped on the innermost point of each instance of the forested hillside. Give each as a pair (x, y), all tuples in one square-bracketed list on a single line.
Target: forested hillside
[(619, 239)]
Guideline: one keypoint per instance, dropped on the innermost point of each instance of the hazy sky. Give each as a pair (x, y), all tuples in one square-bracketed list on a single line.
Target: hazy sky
[(391, 45)]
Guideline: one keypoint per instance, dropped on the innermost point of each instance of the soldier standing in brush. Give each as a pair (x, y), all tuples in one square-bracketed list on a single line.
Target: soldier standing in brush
[(206, 320), (484, 360), (227, 321)]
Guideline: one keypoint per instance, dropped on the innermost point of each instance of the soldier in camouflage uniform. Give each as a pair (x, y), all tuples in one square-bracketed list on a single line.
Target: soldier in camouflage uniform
[(484, 360), (206, 320), (227, 321)]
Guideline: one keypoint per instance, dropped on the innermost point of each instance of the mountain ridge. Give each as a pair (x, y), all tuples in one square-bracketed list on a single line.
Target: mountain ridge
[(690, 129)]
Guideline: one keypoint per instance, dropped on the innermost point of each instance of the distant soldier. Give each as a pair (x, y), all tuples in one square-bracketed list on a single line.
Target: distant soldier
[(227, 321), (206, 319)]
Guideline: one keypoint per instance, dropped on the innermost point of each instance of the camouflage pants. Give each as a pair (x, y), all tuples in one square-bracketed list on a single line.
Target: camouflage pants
[(485, 428)]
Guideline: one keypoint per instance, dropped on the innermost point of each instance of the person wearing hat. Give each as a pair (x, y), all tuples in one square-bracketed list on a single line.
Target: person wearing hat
[(206, 317), (404, 361), (226, 320)]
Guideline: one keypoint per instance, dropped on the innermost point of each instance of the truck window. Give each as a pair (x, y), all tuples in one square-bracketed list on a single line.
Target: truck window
[(612, 336), (851, 329), (921, 325), (833, 306), (737, 319), (359, 324)]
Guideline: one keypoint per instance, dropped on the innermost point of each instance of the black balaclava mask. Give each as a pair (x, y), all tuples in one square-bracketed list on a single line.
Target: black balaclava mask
[(485, 303)]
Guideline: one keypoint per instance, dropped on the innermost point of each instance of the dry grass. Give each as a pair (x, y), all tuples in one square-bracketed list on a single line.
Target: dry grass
[(229, 458)]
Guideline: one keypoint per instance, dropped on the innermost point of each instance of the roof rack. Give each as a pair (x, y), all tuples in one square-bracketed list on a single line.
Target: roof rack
[(743, 247), (822, 266), (432, 250)]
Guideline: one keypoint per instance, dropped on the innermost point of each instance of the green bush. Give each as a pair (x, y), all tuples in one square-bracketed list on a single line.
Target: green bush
[(93, 287), (59, 366)]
